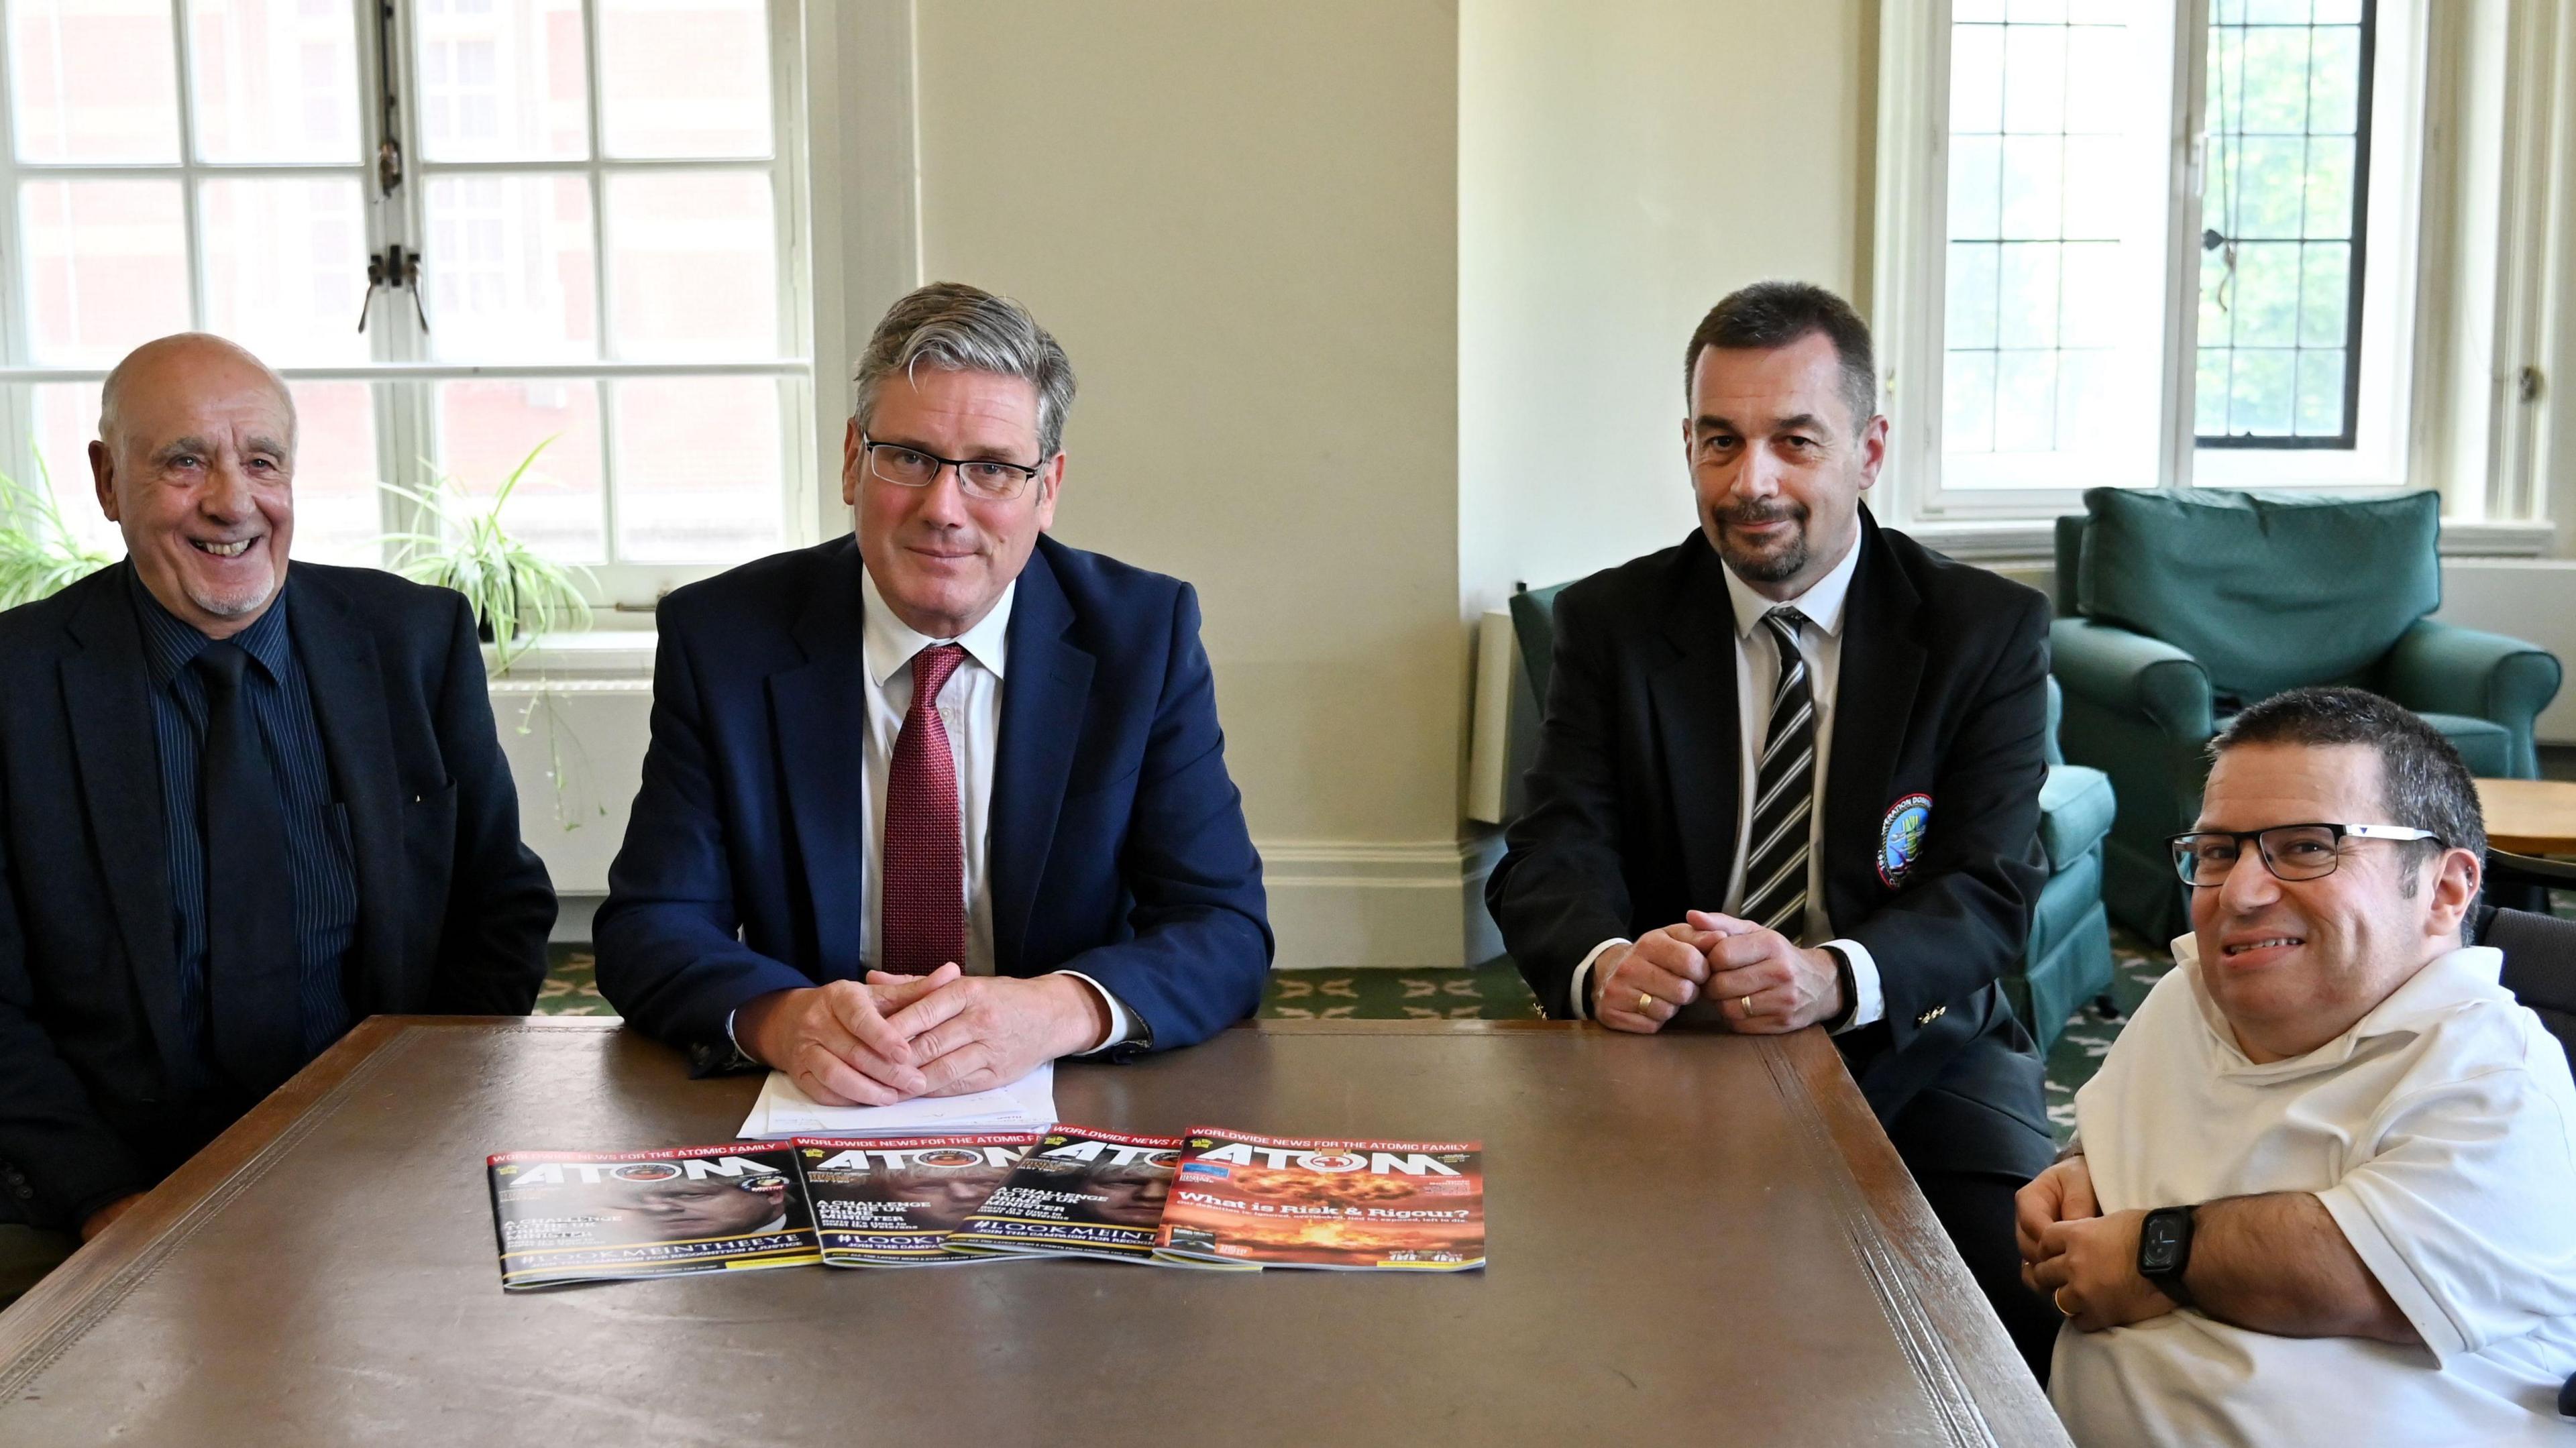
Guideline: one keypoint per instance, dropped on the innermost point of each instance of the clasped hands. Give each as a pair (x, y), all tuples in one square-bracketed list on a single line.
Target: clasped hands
[(2083, 1261), (891, 1037), (1762, 981)]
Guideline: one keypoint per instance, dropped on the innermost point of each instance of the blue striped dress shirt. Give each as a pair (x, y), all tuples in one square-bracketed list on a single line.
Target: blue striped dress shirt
[(319, 857)]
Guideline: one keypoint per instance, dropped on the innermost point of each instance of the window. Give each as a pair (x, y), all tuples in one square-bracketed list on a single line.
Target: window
[(2148, 244), (602, 195), (2283, 245)]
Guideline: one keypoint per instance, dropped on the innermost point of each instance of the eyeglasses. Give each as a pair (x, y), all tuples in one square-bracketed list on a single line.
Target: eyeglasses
[(2291, 852), (910, 467)]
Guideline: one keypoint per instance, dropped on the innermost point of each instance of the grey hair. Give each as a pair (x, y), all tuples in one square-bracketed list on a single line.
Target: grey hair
[(1775, 314), (960, 328)]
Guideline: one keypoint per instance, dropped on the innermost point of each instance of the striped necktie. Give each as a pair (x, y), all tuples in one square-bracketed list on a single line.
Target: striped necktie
[(1775, 873)]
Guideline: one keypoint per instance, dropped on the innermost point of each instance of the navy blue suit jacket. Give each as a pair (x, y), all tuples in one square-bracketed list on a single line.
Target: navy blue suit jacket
[(1117, 844), (452, 908)]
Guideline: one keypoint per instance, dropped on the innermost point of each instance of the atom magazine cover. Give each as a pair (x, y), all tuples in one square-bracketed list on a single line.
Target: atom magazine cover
[(1080, 1192), (1240, 1200), (893, 1201), (587, 1216)]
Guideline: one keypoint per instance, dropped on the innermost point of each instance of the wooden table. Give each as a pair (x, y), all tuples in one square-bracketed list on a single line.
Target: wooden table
[(2529, 816), (1691, 1238)]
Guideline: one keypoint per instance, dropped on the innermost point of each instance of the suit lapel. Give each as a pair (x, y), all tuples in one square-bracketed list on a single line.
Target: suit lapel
[(819, 711), (1882, 665), (348, 691), (1696, 728), (106, 691), (1043, 704)]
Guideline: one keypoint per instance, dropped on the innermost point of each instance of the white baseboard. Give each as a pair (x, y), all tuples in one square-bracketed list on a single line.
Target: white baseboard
[(1333, 905), (1340, 904)]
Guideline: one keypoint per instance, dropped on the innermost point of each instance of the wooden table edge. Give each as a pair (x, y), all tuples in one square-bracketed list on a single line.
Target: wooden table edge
[(1904, 1218)]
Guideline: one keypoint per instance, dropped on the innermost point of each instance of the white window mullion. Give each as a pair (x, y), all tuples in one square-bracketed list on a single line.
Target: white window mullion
[(1906, 285), (2187, 169), (17, 410), (403, 433), (600, 287), (180, 49)]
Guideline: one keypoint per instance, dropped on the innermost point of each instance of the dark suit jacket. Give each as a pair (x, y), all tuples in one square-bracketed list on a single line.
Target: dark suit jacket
[(1117, 844), (452, 909), (1633, 804)]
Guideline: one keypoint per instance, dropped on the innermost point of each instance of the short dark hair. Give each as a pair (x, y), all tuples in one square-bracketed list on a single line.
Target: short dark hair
[(1775, 314), (2422, 782)]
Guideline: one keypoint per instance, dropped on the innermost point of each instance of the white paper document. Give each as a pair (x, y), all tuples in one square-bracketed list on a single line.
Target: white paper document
[(1027, 1104)]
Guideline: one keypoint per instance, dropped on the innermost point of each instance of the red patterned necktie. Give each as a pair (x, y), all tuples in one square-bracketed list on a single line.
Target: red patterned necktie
[(924, 919)]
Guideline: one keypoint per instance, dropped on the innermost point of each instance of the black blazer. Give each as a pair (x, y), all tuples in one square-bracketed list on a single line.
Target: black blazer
[(452, 909), (1632, 801)]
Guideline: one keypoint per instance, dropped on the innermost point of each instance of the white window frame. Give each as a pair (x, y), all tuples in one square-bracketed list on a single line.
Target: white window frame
[(2426, 235), (404, 409)]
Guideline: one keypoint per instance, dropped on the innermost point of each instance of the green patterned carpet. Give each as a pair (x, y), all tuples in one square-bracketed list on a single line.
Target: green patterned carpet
[(1493, 991)]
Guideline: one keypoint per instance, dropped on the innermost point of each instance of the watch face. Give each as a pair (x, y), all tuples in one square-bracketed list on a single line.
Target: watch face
[(2163, 1242)]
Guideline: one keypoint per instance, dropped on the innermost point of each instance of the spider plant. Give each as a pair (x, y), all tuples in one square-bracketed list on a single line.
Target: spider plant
[(39, 553), (517, 592)]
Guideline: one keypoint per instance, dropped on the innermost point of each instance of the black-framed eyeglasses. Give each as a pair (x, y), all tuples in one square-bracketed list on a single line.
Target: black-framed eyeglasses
[(2291, 852), (910, 467)]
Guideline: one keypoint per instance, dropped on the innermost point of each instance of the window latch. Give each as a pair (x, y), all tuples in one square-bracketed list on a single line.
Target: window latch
[(396, 268)]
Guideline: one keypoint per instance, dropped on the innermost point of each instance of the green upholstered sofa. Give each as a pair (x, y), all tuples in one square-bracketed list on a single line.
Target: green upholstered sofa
[(2174, 611), (2068, 958)]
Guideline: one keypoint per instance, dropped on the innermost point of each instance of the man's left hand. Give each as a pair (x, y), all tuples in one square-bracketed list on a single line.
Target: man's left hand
[(982, 1031), (2089, 1268), (1762, 982)]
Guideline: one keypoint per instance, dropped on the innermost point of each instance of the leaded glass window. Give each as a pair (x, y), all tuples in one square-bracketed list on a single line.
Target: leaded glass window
[(2284, 223)]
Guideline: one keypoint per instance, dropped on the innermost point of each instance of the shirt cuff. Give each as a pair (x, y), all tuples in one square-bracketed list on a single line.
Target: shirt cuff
[(1123, 1026), (1582, 990), (1869, 1000)]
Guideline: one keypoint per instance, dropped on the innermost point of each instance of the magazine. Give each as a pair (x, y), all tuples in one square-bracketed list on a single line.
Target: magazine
[(583, 1216), (1241, 1200), (892, 1201), (1080, 1192)]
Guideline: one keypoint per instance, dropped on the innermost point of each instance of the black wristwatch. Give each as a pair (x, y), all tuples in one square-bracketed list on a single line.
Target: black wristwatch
[(2164, 1251)]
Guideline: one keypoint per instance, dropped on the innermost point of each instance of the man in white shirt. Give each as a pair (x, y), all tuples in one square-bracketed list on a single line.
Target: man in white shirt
[(1790, 776), (2324, 1187), (932, 804)]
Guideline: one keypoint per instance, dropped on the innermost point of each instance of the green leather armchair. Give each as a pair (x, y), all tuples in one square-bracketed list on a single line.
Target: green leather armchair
[(2067, 959), (2175, 611)]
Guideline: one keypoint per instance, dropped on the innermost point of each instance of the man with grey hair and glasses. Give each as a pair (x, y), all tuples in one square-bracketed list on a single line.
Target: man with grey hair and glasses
[(2324, 1187), (928, 806)]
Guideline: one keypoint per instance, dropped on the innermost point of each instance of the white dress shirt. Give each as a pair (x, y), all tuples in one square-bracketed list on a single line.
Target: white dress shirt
[(970, 708), (2439, 1132), (1757, 673)]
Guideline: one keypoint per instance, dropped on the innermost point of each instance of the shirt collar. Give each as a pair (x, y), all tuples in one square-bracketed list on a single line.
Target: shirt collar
[(2438, 987), (1822, 603), (170, 645), (891, 642)]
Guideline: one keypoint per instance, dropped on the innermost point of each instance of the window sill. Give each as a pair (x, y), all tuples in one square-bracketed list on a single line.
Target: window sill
[(562, 657)]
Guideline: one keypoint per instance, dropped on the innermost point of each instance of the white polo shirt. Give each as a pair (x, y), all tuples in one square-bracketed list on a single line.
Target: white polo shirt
[(2440, 1132)]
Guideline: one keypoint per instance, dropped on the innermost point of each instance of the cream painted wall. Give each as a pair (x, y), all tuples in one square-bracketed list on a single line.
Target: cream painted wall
[(1240, 219), (1620, 168)]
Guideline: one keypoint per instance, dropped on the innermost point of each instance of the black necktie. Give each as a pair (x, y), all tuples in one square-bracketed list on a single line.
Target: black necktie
[(251, 970), (1775, 873)]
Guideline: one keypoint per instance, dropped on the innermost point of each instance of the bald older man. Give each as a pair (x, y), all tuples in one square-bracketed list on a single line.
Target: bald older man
[(243, 805)]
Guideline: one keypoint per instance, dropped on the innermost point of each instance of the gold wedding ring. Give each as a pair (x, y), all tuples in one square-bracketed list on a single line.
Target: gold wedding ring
[(1643, 1000), (1748, 1007), (2057, 1300)]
